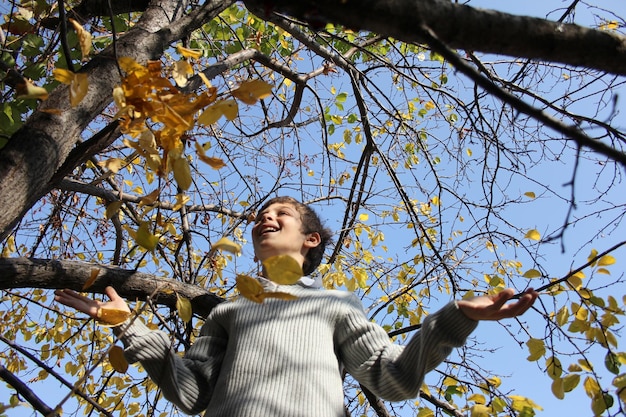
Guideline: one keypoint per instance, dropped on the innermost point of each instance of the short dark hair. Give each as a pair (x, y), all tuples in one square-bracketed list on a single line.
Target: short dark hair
[(311, 223)]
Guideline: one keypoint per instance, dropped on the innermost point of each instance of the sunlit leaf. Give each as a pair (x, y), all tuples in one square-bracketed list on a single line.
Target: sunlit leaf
[(27, 90), (537, 349), (112, 209), (215, 163), (226, 108), (532, 273), (554, 368), (558, 388), (363, 217), (112, 164), (225, 244), (570, 382), (252, 289), (117, 359), (183, 306), (251, 91), (606, 260), (182, 172), (84, 38), (111, 316), (93, 275), (282, 269), (529, 194), (180, 72), (188, 53), (145, 238), (78, 83), (532, 235)]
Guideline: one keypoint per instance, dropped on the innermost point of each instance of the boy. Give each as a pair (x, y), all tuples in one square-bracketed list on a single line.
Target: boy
[(285, 358)]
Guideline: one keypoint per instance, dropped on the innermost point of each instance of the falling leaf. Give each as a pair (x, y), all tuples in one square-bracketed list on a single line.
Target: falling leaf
[(180, 72), (533, 235), (252, 289), (226, 108), (183, 306), (27, 90), (227, 245), (182, 172), (84, 38), (92, 278), (188, 53), (181, 200), (112, 209), (117, 359), (282, 269), (215, 163), (145, 238), (78, 83), (112, 164), (251, 91), (112, 316)]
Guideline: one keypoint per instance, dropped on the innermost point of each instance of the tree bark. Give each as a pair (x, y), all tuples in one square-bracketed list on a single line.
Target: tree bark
[(463, 27), (132, 285)]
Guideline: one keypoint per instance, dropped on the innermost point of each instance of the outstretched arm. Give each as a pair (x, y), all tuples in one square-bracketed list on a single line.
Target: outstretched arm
[(495, 307), (87, 305)]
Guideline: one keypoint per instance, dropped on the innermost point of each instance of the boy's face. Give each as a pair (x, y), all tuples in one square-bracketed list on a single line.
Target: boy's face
[(278, 231)]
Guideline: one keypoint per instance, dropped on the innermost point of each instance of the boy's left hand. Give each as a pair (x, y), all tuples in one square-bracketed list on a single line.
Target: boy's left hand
[(495, 307)]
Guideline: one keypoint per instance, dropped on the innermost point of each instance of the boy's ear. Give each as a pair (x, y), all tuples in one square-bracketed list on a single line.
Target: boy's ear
[(312, 240)]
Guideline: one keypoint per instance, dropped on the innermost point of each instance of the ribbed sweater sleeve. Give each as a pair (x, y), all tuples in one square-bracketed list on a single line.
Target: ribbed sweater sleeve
[(392, 371), (186, 381)]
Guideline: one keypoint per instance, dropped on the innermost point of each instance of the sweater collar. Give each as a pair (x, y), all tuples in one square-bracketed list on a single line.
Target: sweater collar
[(305, 281)]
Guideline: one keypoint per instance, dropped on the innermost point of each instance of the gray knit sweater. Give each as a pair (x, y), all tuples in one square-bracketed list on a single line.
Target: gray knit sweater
[(284, 358)]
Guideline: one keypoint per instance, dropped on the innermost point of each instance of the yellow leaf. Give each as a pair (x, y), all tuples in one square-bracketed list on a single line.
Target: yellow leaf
[(92, 278), (145, 238), (429, 105), (553, 367), (84, 38), (533, 235), (363, 217), (112, 164), (570, 382), (591, 387), (251, 91), (480, 410), (181, 200), (529, 194), (532, 273), (592, 255), (558, 388), (252, 289), (212, 114), (215, 163), (562, 316), (606, 260), (188, 53), (78, 83), (112, 316), (112, 209), (149, 199), (26, 90), (117, 359), (129, 65), (182, 172), (225, 244), (183, 306), (118, 97), (537, 348), (180, 72), (282, 269)]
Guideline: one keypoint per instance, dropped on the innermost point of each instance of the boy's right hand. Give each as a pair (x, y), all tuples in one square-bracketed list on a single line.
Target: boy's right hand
[(87, 305)]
